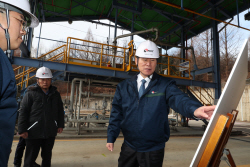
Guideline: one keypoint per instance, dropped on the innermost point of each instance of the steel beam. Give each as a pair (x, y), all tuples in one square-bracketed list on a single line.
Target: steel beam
[(164, 15), (216, 55), (97, 71), (222, 11), (132, 27), (244, 7), (137, 10), (201, 71), (183, 44), (188, 22), (79, 4)]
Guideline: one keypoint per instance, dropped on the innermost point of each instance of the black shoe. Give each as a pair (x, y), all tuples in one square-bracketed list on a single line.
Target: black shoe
[(36, 165), (17, 165)]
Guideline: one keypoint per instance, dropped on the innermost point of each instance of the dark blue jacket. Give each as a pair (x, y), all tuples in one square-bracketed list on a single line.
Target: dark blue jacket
[(144, 121), (8, 108)]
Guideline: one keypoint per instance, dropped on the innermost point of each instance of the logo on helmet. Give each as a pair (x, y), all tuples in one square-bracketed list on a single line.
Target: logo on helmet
[(146, 50), (44, 73)]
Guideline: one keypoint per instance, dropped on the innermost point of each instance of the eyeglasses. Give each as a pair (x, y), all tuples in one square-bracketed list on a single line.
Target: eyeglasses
[(23, 24)]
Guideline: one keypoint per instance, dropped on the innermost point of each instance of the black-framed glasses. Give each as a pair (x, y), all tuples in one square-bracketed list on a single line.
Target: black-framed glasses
[(23, 24)]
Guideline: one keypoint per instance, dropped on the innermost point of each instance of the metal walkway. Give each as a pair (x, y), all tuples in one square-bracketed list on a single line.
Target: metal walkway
[(84, 58)]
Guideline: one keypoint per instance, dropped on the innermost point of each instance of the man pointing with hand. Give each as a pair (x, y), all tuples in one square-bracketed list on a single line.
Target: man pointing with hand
[(140, 109)]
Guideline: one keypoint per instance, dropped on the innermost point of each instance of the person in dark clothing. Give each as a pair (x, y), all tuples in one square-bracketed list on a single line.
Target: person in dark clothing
[(41, 118), (15, 17), (140, 109), (19, 153)]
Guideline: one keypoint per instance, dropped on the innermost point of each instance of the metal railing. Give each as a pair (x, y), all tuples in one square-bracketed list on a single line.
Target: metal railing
[(99, 55), (165, 69), (199, 92), (20, 77), (95, 54)]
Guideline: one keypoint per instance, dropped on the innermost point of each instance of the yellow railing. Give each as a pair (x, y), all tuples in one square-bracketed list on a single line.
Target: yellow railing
[(199, 92), (99, 55), (96, 56), (171, 72), (32, 69), (172, 69)]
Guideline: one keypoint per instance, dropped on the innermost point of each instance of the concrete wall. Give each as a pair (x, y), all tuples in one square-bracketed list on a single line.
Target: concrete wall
[(244, 106)]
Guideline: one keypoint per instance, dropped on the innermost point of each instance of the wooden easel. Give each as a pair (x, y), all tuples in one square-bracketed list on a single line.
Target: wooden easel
[(211, 157)]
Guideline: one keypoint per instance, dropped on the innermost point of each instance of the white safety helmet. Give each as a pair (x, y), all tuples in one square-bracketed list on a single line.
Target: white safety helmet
[(147, 49), (43, 72), (22, 7)]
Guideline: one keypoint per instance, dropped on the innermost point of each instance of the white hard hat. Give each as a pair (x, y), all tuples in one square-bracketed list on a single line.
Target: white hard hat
[(147, 49), (43, 72), (22, 6)]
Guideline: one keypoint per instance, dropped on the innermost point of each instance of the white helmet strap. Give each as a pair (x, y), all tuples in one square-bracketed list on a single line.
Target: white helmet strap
[(7, 35)]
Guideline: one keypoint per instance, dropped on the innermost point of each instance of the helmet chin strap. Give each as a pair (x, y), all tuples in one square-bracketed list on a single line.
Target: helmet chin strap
[(7, 35)]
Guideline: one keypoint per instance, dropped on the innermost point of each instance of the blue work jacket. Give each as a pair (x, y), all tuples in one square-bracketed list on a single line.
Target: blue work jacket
[(144, 121), (8, 108)]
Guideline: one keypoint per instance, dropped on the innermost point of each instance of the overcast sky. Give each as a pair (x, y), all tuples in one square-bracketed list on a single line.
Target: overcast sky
[(78, 29)]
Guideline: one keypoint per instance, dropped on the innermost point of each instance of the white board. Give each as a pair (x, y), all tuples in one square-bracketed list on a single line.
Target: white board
[(228, 100), (184, 66)]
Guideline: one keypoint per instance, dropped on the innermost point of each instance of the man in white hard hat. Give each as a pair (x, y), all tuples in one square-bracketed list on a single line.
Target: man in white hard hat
[(41, 117), (15, 17), (140, 109)]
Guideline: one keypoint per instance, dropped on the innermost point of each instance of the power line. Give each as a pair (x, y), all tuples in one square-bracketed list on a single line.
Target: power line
[(78, 30)]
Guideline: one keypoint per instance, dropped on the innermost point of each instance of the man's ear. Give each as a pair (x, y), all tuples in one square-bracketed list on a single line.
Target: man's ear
[(136, 60)]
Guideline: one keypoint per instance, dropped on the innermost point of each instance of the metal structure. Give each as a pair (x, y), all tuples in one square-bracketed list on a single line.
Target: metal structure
[(174, 22)]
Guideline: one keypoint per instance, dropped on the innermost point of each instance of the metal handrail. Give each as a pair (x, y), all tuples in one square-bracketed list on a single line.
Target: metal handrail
[(201, 94), (100, 62), (27, 72)]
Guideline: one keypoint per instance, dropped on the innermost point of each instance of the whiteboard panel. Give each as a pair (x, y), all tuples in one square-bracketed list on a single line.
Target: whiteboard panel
[(228, 100)]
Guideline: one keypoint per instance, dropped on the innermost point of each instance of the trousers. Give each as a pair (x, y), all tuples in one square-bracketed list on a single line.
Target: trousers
[(19, 151), (32, 149), (131, 158)]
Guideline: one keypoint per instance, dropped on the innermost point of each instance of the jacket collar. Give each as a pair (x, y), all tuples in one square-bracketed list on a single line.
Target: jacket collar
[(52, 89), (133, 81)]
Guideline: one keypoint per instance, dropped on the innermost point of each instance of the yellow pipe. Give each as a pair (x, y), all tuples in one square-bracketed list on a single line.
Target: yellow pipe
[(96, 42), (191, 11), (96, 52), (168, 65), (24, 73), (50, 52), (17, 68), (101, 57), (124, 54), (22, 77)]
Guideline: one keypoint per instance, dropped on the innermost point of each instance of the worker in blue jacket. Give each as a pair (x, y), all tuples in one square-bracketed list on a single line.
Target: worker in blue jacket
[(140, 109), (14, 16)]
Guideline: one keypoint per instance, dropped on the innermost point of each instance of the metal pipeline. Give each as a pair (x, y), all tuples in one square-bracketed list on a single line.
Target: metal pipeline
[(139, 32), (72, 92), (134, 33)]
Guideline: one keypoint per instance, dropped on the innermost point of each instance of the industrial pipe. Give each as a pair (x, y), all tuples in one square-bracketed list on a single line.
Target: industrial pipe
[(138, 32), (72, 92)]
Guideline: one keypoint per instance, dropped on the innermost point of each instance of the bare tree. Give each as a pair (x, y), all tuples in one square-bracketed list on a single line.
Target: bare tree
[(230, 42)]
